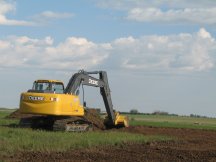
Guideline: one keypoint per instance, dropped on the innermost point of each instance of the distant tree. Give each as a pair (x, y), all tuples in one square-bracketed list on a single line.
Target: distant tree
[(197, 116), (192, 115), (173, 114), (134, 111), (160, 113)]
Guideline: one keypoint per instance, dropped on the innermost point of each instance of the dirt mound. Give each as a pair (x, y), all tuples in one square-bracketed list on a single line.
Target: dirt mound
[(192, 145), (17, 115), (93, 116)]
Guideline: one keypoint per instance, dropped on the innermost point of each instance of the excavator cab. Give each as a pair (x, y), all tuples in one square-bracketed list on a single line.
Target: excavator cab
[(47, 86)]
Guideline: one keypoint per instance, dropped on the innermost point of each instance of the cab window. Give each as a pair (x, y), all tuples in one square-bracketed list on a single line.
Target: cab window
[(57, 87), (41, 86)]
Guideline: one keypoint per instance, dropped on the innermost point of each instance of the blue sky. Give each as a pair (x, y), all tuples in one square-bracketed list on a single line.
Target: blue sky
[(159, 55)]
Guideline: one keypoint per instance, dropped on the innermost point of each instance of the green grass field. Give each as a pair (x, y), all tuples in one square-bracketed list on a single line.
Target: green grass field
[(173, 121), (13, 139)]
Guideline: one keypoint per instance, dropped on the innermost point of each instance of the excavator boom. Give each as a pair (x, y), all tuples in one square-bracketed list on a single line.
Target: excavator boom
[(83, 77)]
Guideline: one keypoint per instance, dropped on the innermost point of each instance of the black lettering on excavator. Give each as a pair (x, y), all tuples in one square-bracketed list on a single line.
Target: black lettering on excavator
[(36, 98)]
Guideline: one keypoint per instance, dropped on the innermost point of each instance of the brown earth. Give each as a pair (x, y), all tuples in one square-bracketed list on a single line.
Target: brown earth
[(17, 115), (190, 145)]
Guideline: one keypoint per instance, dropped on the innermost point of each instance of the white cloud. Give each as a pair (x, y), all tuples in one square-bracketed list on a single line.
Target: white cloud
[(192, 15), (73, 53), (6, 7), (129, 4), (193, 11), (178, 53), (39, 19), (55, 15), (183, 52), (50, 15)]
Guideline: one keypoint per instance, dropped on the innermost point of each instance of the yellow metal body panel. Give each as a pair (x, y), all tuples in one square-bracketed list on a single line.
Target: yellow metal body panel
[(50, 104), (50, 81)]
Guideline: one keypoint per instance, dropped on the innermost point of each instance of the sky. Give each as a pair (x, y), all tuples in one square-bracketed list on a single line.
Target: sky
[(159, 55)]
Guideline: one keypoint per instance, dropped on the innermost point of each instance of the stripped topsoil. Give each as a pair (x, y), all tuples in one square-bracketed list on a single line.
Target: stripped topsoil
[(190, 145)]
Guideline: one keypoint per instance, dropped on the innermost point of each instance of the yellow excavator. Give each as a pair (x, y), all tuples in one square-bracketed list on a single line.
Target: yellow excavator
[(59, 109)]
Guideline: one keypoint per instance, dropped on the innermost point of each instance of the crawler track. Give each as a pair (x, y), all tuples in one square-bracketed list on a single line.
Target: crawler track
[(72, 124), (91, 121)]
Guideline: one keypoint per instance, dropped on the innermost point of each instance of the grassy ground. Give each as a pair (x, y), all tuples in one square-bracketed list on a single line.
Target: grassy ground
[(13, 139), (173, 121)]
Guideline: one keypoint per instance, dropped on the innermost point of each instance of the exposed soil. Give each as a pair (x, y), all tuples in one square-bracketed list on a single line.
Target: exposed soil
[(17, 115), (94, 117), (191, 145)]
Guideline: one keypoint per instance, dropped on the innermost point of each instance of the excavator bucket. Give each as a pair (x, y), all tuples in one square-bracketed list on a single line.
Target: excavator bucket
[(121, 120)]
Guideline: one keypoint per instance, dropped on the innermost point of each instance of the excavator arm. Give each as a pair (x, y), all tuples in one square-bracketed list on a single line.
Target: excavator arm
[(83, 77)]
